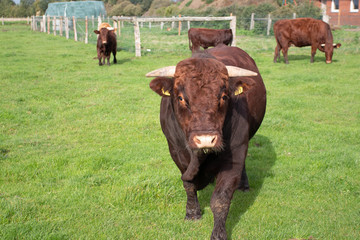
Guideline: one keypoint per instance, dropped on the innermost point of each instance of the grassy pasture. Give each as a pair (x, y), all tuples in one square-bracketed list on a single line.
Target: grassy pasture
[(82, 155)]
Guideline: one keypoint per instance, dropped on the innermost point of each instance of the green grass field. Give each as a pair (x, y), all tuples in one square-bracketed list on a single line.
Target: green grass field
[(82, 155)]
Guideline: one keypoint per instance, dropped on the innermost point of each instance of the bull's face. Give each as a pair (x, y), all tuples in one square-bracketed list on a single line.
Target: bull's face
[(329, 50), (103, 35), (200, 92)]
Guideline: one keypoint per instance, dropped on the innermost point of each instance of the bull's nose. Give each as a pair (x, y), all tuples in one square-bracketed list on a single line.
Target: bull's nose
[(104, 42), (205, 141), (328, 61)]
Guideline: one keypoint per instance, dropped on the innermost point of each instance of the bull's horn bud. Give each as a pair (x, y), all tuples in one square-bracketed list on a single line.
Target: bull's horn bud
[(239, 72), (162, 72)]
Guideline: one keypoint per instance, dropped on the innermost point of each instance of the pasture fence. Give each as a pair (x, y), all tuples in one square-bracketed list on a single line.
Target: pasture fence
[(3, 20), (143, 35)]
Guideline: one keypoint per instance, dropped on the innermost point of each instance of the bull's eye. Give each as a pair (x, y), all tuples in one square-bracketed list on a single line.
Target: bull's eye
[(224, 97), (180, 98)]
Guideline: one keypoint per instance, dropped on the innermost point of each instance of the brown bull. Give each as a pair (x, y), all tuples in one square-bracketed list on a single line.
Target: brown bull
[(212, 104), (303, 32), (203, 37), (106, 44)]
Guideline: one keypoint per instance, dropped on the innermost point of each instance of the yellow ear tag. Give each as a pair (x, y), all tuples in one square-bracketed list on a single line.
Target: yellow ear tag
[(239, 91), (166, 93)]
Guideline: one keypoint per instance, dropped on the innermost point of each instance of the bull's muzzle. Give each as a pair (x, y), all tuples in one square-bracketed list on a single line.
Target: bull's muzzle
[(104, 42), (205, 141)]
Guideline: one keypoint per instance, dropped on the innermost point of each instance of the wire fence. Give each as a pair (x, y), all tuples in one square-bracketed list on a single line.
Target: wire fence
[(165, 36)]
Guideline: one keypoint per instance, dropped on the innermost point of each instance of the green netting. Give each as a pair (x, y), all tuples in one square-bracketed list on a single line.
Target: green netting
[(77, 9)]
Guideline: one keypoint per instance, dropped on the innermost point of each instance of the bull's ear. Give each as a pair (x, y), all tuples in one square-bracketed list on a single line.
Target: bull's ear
[(162, 86), (240, 86), (97, 31)]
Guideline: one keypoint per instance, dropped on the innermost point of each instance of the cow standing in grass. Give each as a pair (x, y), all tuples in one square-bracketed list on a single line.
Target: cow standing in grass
[(212, 104), (204, 37), (303, 32), (106, 44)]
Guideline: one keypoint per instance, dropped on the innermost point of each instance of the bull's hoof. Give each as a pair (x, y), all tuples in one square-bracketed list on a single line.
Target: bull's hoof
[(193, 214), (192, 217), (244, 189), (218, 235)]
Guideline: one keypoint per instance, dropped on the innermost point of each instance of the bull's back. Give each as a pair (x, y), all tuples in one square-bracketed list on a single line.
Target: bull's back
[(301, 31)]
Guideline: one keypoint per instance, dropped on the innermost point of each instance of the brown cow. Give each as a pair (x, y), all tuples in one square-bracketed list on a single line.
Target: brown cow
[(106, 44), (303, 32), (208, 113), (203, 37)]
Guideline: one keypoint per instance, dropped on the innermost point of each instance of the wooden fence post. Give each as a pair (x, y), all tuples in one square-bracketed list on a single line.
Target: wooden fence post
[(294, 15), (75, 33), (179, 31), (119, 28), (92, 19), (99, 22), (252, 23), (233, 29), (61, 26), (149, 25), (161, 25), (188, 23), (268, 25), (86, 30), (48, 24), (137, 37), (67, 27), (172, 23), (2, 20), (44, 24), (54, 25)]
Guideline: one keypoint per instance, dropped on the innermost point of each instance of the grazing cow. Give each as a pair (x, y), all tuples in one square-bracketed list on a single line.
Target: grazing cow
[(303, 32), (203, 37), (106, 43), (212, 104)]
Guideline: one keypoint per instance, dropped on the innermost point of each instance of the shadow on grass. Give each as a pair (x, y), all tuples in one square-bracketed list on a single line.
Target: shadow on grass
[(261, 157), (319, 57)]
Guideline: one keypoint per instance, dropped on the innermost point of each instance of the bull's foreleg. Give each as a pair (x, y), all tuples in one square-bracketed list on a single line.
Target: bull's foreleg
[(227, 182), (193, 211), (108, 60), (313, 52), (192, 169), (103, 59), (244, 183), (99, 57), (220, 204), (114, 53)]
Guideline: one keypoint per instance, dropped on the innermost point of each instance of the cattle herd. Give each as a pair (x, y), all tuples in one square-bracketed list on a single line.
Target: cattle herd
[(213, 103)]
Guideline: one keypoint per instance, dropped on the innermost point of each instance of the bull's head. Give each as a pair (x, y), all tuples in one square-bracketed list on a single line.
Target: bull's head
[(103, 33), (329, 50), (200, 90)]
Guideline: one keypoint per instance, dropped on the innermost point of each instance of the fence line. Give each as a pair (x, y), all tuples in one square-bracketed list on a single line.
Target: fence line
[(78, 29), (179, 19), (268, 20)]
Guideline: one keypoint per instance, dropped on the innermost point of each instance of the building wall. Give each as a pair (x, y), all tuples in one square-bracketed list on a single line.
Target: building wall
[(344, 16)]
